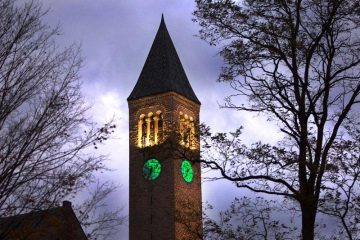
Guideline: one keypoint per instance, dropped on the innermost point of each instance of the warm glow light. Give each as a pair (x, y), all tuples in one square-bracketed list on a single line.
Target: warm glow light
[(187, 130), (150, 129)]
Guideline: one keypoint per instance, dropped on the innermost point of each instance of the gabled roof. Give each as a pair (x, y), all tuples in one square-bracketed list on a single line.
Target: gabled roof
[(58, 223), (162, 71)]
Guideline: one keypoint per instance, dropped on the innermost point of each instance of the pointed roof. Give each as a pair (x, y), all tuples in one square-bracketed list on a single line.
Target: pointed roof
[(162, 71)]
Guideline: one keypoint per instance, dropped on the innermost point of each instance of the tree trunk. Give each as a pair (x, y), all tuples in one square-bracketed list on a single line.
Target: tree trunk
[(308, 220)]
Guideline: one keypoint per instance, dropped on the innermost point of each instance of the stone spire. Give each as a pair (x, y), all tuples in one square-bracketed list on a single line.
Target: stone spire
[(162, 71)]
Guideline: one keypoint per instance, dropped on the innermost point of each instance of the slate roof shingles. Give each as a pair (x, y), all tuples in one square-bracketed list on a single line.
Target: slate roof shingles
[(163, 71)]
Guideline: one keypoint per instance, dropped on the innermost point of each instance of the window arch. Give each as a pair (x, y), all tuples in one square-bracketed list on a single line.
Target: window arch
[(150, 129), (187, 130)]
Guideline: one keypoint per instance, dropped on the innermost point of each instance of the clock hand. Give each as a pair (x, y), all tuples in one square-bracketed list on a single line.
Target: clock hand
[(150, 172), (187, 172)]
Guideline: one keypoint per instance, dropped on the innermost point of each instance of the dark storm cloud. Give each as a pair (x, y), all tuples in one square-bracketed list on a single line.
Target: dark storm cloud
[(116, 37)]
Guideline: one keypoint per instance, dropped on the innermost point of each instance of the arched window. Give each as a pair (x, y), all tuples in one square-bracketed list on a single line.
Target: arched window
[(160, 134), (158, 125), (141, 131), (187, 130), (150, 129)]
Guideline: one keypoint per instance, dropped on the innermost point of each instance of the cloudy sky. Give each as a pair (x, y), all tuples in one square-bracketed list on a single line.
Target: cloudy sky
[(116, 36)]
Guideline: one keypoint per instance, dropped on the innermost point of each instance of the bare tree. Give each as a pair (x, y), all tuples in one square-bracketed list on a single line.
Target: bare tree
[(250, 219), (97, 218), (44, 127), (341, 199), (298, 63)]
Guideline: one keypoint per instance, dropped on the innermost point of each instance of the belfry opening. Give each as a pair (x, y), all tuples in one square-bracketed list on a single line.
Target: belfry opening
[(150, 129)]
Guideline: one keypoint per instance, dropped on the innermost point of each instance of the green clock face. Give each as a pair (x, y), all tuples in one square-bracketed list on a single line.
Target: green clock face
[(187, 171), (151, 169)]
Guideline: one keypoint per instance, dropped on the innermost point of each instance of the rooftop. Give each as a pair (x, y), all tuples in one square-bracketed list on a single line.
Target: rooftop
[(59, 223), (162, 71)]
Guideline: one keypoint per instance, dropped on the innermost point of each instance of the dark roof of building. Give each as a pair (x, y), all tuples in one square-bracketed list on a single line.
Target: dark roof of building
[(162, 71), (59, 223)]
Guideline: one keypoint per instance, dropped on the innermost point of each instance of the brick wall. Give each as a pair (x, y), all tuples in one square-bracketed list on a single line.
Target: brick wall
[(157, 208)]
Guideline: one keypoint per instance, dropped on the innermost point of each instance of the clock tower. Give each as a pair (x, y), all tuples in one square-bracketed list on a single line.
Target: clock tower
[(165, 178)]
